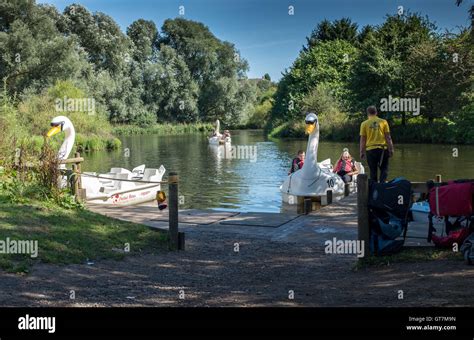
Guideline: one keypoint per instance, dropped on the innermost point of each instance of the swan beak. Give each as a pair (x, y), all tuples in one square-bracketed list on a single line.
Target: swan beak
[(309, 128), (54, 130)]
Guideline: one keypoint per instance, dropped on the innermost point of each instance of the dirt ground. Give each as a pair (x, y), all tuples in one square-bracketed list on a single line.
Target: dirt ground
[(262, 273)]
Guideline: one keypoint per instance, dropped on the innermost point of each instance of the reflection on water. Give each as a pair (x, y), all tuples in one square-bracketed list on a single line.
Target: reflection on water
[(233, 178)]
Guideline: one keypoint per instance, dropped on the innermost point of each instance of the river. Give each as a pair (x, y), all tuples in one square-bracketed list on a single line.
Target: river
[(248, 179)]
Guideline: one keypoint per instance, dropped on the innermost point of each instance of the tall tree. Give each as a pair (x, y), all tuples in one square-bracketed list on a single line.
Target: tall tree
[(327, 63), (144, 35), (380, 72), (33, 53), (342, 29)]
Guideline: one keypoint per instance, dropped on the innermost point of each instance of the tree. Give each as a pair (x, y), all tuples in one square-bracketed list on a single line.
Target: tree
[(206, 56), (98, 34), (380, 72), (144, 36), (170, 92), (364, 34), (33, 53), (215, 65), (343, 29), (327, 63), (441, 71)]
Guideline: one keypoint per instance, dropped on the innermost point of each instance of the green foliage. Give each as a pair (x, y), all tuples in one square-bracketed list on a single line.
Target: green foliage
[(216, 68), (342, 72), (68, 236), (144, 35), (328, 63), (343, 29), (164, 129), (135, 78)]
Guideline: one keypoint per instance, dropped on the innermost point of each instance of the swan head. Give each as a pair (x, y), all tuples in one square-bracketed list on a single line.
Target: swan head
[(312, 124), (59, 124)]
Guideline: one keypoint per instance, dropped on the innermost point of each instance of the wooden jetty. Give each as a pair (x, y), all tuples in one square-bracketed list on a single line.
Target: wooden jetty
[(346, 219)]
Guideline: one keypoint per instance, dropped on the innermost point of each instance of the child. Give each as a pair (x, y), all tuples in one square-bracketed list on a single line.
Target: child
[(345, 167), (297, 162)]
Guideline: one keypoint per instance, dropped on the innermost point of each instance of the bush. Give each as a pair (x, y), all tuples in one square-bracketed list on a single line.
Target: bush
[(163, 129)]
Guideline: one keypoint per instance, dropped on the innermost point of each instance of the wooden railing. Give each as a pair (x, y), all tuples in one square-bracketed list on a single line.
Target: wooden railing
[(176, 238), (74, 177)]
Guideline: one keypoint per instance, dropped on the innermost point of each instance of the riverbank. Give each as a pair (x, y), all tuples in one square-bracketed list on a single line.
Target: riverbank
[(437, 132), (66, 236), (286, 266), (262, 274), (163, 129)]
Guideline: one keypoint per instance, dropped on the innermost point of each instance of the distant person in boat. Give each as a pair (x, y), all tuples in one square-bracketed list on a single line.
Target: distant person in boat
[(345, 167), (226, 134), (376, 144), (297, 162)]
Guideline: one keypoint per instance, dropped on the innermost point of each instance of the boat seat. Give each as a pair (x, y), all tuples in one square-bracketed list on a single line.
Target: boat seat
[(149, 174), (120, 171), (107, 182), (138, 171), (120, 185)]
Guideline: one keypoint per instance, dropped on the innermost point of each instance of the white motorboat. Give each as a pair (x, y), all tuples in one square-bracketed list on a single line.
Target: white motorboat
[(121, 186), (117, 187)]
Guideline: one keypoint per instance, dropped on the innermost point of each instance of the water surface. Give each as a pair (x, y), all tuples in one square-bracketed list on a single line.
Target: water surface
[(209, 180)]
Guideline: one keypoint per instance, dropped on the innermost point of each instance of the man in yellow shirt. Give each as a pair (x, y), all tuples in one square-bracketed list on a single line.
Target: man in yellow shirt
[(376, 144)]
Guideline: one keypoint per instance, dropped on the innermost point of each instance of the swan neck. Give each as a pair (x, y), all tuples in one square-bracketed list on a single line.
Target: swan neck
[(67, 145), (311, 160)]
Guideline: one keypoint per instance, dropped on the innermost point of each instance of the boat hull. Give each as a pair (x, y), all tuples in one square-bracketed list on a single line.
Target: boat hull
[(130, 197), (219, 141)]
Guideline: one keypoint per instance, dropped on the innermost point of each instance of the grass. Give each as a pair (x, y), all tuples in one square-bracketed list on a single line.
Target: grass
[(83, 143), (408, 254), (163, 129), (68, 236)]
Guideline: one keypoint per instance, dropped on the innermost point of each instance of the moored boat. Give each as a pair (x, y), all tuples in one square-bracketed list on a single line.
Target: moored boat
[(117, 187)]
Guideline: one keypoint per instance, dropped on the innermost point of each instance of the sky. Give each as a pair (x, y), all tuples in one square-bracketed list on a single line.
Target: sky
[(264, 32)]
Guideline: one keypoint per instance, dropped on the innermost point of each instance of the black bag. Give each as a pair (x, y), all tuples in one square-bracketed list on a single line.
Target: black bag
[(467, 249), (389, 207)]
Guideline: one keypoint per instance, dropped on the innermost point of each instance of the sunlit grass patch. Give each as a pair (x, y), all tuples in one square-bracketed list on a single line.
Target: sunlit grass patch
[(408, 254), (70, 236)]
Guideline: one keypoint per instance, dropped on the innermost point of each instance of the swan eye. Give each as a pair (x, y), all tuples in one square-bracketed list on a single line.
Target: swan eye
[(58, 124)]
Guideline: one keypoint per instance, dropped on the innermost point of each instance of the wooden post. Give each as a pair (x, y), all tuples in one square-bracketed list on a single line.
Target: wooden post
[(347, 189), (75, 183), (328, 197), (81, 193), (79, 170), (363, 211), (308, 205), (438, 179), (181, 243), (173, 211)]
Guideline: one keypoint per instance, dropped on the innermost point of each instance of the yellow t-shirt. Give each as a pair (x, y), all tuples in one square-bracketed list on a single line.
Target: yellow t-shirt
[(374, 129)]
